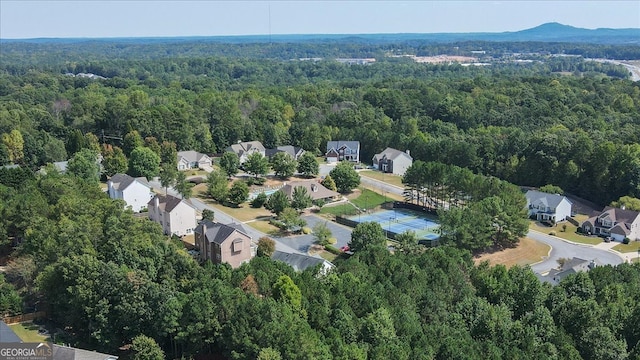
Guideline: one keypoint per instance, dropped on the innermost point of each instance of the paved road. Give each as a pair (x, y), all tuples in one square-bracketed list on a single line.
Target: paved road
[(564, 249), (302, 243)]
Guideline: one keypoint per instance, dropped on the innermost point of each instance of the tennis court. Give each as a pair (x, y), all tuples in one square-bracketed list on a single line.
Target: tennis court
[(400, 220)]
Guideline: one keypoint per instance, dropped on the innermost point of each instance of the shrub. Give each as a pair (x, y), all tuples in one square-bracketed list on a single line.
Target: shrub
[(626, 240), (333, 249), (306, 230), (259, 200), (552, 233), (332, 240), (564, 227)]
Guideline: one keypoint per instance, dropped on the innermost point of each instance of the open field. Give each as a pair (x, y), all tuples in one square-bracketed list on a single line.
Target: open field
[(264, 226), (242, 213), (368, 199), (28, 332), (633, 246), (339, 210), (527, 252), (387, 178), (570, 233)]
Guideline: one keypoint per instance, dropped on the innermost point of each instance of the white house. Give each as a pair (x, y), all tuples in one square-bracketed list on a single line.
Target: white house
[(343, 151), (177, 216), (548, 207), (615, 222), (193, 160), (244, 149), (135, 192), (392, 161)]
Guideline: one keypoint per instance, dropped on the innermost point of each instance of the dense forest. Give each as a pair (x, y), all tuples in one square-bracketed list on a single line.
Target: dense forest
[(109, 279), (524, 123)]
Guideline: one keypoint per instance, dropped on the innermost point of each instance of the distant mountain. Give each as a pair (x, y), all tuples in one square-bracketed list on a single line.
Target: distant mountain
[(549, 32)]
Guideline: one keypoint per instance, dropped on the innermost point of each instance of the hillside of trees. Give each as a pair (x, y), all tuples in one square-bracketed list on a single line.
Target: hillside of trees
[(526, 124), (107, 278)]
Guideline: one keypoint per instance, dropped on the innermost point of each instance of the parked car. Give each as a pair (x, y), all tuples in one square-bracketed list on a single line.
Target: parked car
[(608, 239)]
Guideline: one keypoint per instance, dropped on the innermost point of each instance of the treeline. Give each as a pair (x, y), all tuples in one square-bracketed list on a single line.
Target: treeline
[(580, 133), (62, 51), (107, 278), (475, 212)]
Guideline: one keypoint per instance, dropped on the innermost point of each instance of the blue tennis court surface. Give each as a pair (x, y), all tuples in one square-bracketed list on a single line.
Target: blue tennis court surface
[(401, 220)]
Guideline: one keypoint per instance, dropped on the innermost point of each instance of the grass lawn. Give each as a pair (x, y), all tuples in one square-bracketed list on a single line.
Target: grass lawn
[(369, 199), (328, 256), (28, 332), (527, 252), (570, 234), (342, 210), (243, 213), (264, 226), (633, 246), (387, 178), (635, 260)]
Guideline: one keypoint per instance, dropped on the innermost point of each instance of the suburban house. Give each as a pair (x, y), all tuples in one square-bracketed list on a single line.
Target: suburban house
[(244, 149), (294, 151), (572, 266), (301, 262), (615, 222), (61, 352), (547, 207), (220, 243), (193, 160), (343, 151), (314, 189), (392, 161), (177, 216), (136, 192)]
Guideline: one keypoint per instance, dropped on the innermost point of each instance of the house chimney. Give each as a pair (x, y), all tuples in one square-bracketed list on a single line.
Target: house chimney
[(156, 202), (408, 152), (623, 207)]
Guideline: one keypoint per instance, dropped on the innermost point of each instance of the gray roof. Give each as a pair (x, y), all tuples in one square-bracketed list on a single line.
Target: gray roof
[(61, 166), (314, 189), (122, 181), (13, 166), (620, 215), (191, 156), (550, 200), (243, 147), (7, 335), (69, 353), (168, 202), (218, 233), (299, 262), (289, 149), (392, 154), (572, 266), (340, 143)]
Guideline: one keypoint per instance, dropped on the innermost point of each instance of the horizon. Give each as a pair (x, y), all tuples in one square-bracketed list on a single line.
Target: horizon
[(300, 34), (62, 19)]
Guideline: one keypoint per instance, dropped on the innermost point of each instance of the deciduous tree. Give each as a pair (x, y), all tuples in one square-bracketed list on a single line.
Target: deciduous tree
[(308, 165), (283, 164), (345, 177), (230, 163), (144, 162)]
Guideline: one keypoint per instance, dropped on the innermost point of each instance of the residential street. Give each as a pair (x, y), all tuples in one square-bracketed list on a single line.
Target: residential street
[(564, 249)]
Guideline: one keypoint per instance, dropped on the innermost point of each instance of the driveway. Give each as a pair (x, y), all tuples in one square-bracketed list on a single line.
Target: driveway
[(564, 249), (302, 243)]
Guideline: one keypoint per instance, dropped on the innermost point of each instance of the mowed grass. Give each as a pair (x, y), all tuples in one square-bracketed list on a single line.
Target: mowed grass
[(387, 178), (369, 199), (242, 213), (633, 246), (339, 210), (28, 332), (527, 252), (264, 226), (569, 234)]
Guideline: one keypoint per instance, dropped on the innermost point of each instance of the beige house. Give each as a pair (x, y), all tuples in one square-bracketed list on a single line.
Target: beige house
[(220, 243), (244, 149), (392, 161), (177, 216), (615, 222), (314, 189), (193, 160)]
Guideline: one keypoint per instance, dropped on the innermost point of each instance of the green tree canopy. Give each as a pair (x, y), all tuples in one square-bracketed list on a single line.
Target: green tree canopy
[(628, 202), (300, 199), (113, 160), (144, 162), (84, 164), (218, 185), (277, 202), (345, 177), (238, 193), (230, 163), (283, 164), (256, 164), (308, 165), (367, 235), (266, 246)]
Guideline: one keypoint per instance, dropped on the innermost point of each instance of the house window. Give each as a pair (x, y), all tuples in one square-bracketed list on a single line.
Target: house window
[(236, 246)]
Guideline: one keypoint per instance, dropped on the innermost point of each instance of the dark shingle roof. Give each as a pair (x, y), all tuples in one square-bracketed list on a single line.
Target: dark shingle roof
[(168, 202), (217, 232), (122, 181), (620, 215), (299, 262), (338, 144)]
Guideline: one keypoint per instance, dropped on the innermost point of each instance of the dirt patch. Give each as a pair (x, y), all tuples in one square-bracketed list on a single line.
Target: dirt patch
[(527, 252)]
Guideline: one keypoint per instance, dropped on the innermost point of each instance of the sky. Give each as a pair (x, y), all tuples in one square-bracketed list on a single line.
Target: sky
[(20, 19)]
